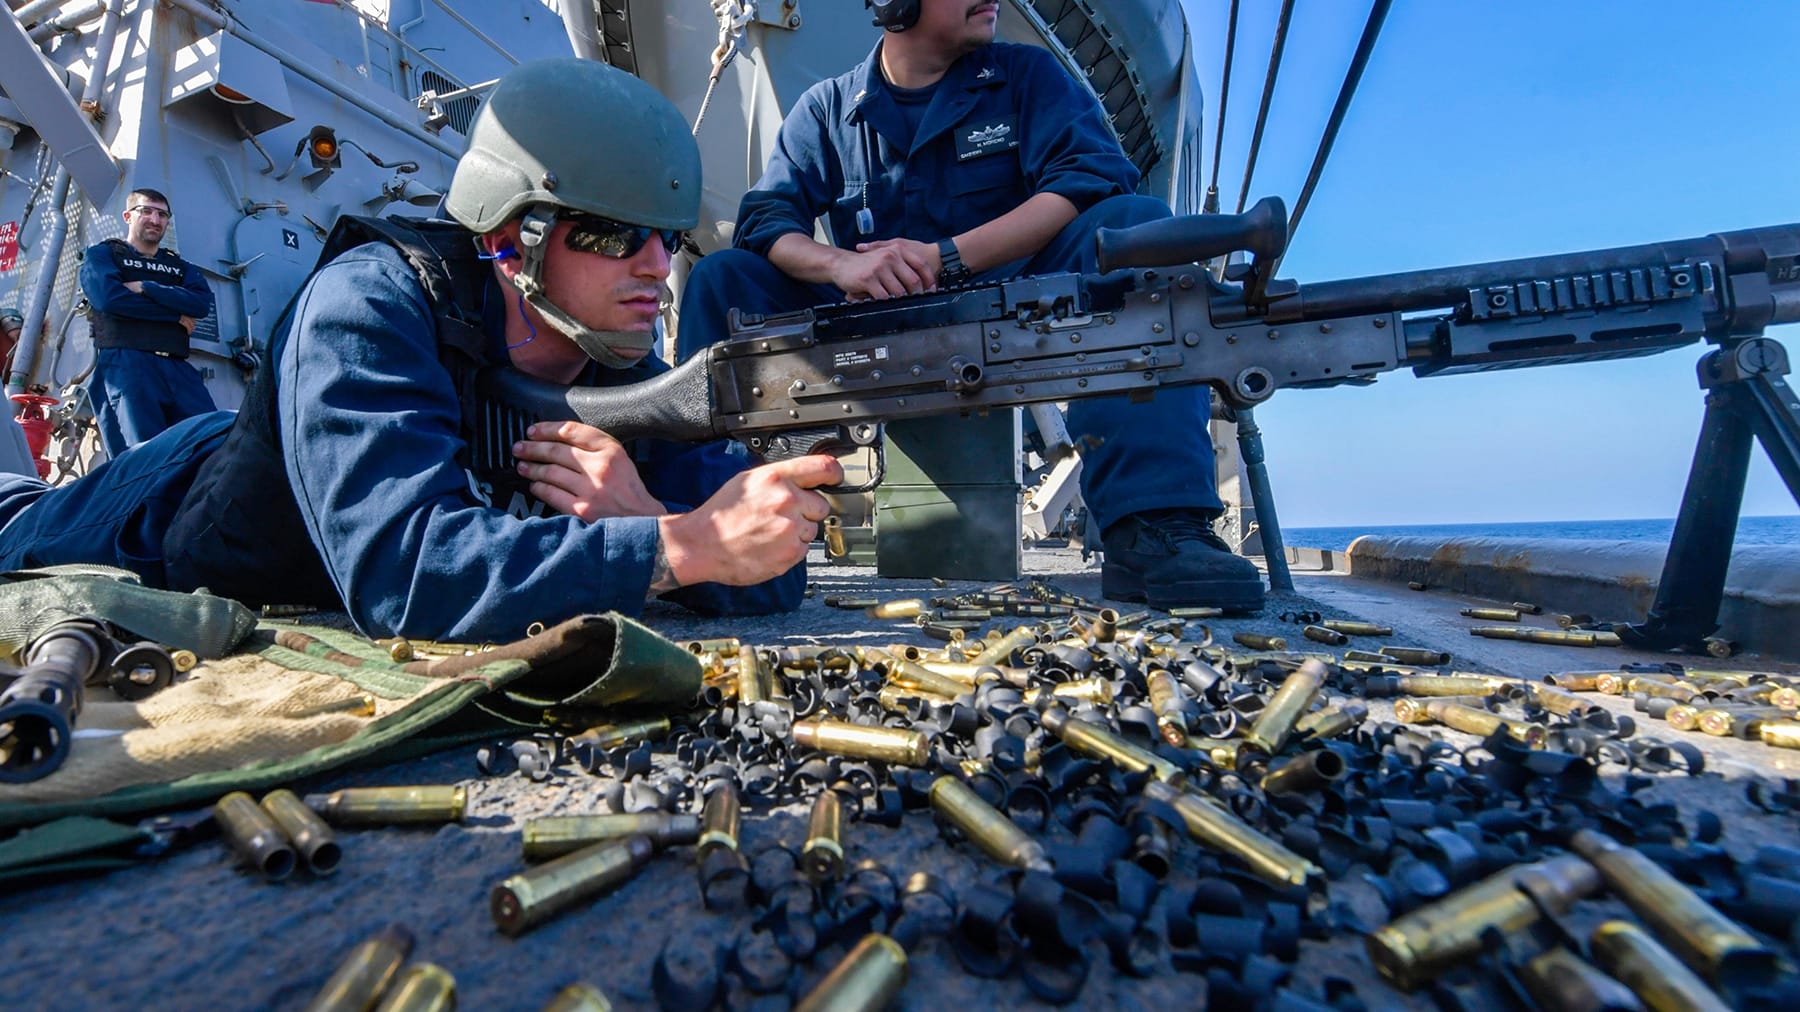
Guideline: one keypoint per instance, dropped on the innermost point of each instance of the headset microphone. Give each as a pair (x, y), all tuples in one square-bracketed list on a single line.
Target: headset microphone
[(894, 15)]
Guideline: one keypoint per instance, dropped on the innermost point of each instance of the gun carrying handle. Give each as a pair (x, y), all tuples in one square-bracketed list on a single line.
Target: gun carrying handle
[(1261, 231)]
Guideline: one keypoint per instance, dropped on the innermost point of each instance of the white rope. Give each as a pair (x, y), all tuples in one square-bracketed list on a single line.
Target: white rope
[(732, 16)]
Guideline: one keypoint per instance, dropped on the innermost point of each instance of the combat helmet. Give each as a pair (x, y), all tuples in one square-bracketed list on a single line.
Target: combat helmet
[(579, 135)]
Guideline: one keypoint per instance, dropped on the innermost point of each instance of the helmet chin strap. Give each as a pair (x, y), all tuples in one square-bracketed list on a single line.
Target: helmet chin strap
[(599, 345)]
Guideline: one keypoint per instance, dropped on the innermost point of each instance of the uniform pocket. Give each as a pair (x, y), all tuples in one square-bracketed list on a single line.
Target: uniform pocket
[(982, 189)]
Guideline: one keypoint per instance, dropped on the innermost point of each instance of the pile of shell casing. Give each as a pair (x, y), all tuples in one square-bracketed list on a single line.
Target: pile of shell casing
[(1749, 705), (1133, 793)]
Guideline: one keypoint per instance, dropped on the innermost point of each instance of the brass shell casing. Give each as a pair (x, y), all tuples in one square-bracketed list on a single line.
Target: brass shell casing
[(865, 980), (578, 997), (823, 854), (530, 898), (1325, 635), (1308, 771), (1001, 649), (425, 987), (1576, 681), (1349, 628), (1682, 717), (719, 819), (1702, 937), (832, 528), (1724, 722), (905, 608), (610, 736), (987, 826), (1257, 641), (1092, 739), (1780, 733), (750, 687), (1491, 614), (1166, 700), (912, 675), (1296, 695), (360, 705), (1652, 972), (1559, 979), (391, 806), (254, 835), (309, 833), (726, 645), (184, 660), (883, 744), (364, 974), (1559, 702), (1469, 720), (1091, 690), (1414, 655), (555, 835), (1413, 949), (1222, 831)]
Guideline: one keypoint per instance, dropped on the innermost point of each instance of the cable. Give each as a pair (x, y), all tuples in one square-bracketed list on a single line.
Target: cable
[(1212, 190), (1352, 78), (1262, 114)]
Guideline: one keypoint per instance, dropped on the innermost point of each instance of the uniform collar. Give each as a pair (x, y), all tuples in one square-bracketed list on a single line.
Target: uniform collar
[(974, 72)]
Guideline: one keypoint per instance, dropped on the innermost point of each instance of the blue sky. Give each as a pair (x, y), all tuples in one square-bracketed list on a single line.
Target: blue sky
[(1486, 131)]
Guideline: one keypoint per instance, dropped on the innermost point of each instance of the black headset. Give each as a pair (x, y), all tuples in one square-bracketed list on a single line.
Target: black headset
[(894, 15)]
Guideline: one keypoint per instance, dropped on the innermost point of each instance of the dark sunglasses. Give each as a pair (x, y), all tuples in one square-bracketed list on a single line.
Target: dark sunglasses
[(604, 237)]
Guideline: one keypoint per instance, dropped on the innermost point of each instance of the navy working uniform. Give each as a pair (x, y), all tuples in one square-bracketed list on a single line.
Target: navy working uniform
[(1006, 122), (372, 505), (142, 383)]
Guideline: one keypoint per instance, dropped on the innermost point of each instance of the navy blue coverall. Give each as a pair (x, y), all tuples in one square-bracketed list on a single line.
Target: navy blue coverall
[(370, 427), (142, 383), (1006, 122)]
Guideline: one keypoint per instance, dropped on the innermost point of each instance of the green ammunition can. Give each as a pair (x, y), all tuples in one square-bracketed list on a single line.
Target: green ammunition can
[(309, 833), (364, 974), (533, 897), (866, 980), (254, 835), (1702, 937), (823, 854), (555, 835), (425, 987), (990, 829), (391, 806), (1413, 949)]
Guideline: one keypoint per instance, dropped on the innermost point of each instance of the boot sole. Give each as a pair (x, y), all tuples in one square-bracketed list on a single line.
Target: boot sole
[(1234, 597)]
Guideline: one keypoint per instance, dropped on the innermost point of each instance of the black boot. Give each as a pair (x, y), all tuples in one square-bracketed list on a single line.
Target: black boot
[(1171, 558)]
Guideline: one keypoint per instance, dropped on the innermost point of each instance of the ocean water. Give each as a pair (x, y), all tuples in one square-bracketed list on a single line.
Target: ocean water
[(1751, 531)]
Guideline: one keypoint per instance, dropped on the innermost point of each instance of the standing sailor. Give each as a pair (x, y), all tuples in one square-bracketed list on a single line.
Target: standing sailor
[(144, 301), (947, 158)]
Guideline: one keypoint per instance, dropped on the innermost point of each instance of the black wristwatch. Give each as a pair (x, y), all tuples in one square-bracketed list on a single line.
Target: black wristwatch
[(952, 272)]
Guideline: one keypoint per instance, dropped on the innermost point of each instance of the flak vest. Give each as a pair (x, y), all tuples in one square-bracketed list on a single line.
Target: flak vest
[(110, 330)]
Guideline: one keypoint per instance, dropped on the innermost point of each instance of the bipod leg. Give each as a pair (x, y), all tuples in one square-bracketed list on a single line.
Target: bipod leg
[(1256, 474), (1746, 400)]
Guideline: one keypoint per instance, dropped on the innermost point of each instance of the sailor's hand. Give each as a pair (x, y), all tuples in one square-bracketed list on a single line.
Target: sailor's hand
[(922, 257), (580, 471), (136, 287), (756, 527), (883, 270), (188, 323)]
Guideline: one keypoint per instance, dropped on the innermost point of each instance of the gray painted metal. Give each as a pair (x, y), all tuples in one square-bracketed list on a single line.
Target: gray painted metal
[(36, 87)]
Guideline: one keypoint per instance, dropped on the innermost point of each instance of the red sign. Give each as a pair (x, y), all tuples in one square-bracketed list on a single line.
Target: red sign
[(9, 245)]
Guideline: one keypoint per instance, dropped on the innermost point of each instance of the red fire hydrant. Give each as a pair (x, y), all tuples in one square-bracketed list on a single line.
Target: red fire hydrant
[(35, 419)]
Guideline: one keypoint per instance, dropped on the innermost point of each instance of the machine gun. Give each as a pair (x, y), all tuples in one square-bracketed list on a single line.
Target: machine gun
[(826, 379)]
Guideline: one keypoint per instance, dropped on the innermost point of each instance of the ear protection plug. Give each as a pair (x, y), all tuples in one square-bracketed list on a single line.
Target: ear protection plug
[(503, 253)]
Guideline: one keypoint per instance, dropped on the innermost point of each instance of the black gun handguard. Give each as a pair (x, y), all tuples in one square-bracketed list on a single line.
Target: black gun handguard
[(676, 405)]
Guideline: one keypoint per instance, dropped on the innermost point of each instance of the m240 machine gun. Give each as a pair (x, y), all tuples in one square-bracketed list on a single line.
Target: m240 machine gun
[(825, 379)]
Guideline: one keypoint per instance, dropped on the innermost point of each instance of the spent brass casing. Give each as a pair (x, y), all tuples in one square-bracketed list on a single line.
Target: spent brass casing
[(832, 527), (360, 705), (1196, 612), (1165, 699), (610, 736), (1558, 979), (254, 835), (578, 998), (184, 660), (1222, 752), (865, 980), (912, 675), (1350, 628), (1092, 739), (1661, 690), (1089, 690), (823, 854), (1527, 608), (1321, 634), (1780, 733), (555, 835), (1577, 681), (530, 898), (1257, 641), (851, 603), (1553, 637), (364, 974), (1693, 929), (1785, 696), (309, 833), (1222, 831), (1366, 657), (1724, 722), (391, 806), (1296, 695), (944, 633), (987, 826), (399, 650), (1430, 685), (727, 645), (1720, 648), (1491, 614), (894, 698), (750, 687), (884, 744), (905, 608), (719, 819), (1470, 720), (1309, 771), (1413, 949), (1683, 717), (1413, 655), (1416, 585), (1000, 651), (424, 987), (1105, 626), (1559, 702), (1629, 953), (1331, 721)]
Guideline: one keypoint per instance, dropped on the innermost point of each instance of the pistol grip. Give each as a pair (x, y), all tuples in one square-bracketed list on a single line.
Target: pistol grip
[(840, 441)]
